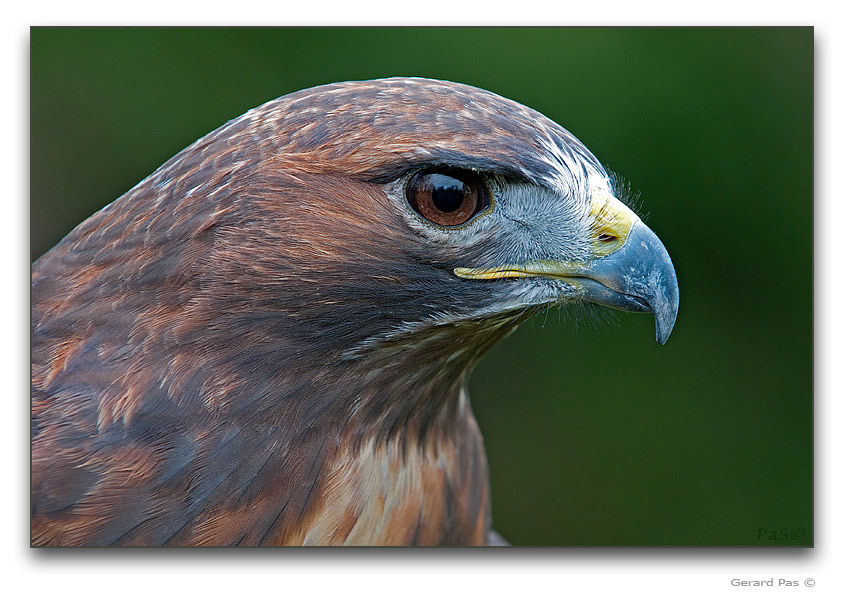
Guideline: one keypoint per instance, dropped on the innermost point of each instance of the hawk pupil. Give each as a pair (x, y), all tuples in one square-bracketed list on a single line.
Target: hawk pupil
[(447, 193)]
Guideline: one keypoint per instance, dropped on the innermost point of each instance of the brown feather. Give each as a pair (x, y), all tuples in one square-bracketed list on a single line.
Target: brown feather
[(214, 355)]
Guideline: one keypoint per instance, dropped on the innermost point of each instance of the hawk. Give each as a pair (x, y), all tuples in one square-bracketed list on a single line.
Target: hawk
[(267, 341)]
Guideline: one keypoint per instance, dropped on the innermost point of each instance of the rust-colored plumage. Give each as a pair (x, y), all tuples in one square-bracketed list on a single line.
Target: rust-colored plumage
[(260, 345)]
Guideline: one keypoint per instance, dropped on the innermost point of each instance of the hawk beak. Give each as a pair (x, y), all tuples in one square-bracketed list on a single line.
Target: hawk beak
[(639, 276), (631, 272)]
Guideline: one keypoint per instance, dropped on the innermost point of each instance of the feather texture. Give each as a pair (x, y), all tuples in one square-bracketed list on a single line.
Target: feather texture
[(255, 346)]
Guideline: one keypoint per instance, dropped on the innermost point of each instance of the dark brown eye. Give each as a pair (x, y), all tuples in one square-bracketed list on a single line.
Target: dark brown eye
[(447, 197)]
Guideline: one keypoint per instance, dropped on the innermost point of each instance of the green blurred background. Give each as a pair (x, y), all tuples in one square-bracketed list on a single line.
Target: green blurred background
[(595, 434)]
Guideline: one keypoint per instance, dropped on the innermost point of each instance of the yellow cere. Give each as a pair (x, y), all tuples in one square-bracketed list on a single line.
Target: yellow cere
[(612, 221)]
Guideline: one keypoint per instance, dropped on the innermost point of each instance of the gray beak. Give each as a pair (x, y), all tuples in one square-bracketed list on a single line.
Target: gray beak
[(639, 276)]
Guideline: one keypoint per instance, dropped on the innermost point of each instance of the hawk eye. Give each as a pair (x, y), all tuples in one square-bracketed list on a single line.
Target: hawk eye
[(447, 197)]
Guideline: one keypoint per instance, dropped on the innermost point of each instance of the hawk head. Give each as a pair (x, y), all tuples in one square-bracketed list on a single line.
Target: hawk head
[(268, 339)]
